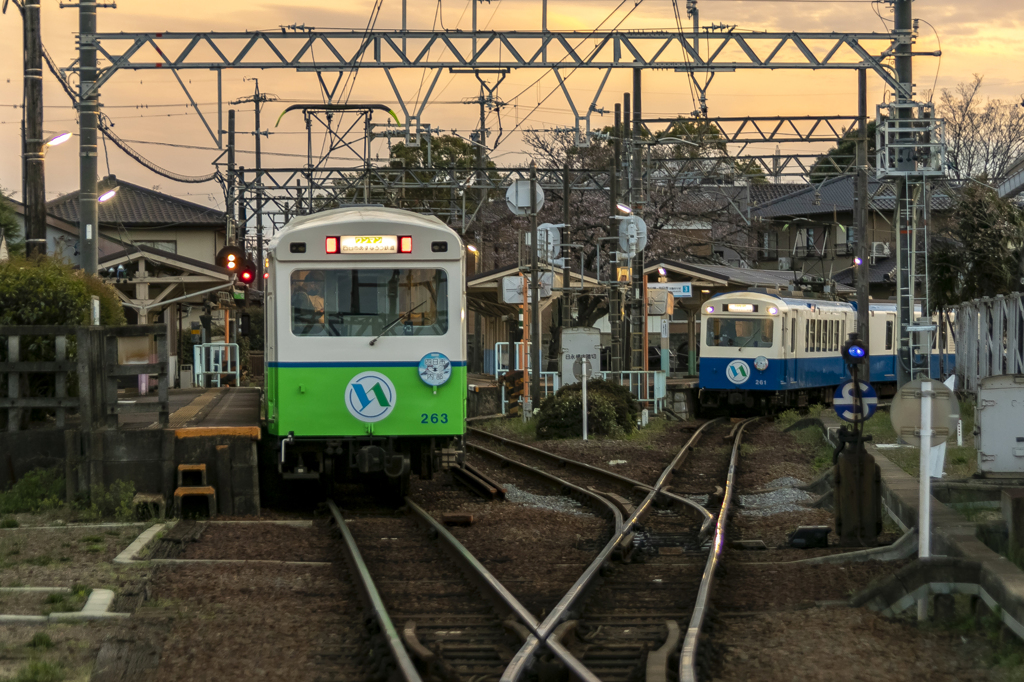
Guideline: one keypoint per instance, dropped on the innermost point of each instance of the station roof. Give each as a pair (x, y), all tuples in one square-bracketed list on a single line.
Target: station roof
[(724, 275), (837, 195)]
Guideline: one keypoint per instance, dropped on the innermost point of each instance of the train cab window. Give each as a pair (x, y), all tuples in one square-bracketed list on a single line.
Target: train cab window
[(369, 302), (888, 334), (740, 332)]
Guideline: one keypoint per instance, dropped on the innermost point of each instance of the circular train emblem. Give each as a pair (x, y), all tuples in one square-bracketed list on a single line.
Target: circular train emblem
[(370, 396), (737, 371), (435, 369)]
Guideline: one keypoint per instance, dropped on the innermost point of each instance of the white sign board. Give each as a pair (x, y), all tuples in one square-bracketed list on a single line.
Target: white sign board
[(905, 412), (577, 343), (512, 287), (632, 235), (678, 289), (517, 197)]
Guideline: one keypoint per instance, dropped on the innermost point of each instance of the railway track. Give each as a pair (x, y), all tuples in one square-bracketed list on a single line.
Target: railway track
[(436, 612), (625, 620), (440, 613)]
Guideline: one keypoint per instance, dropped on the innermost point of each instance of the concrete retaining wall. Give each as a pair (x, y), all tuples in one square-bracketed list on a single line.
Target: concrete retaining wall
[(149, 458)]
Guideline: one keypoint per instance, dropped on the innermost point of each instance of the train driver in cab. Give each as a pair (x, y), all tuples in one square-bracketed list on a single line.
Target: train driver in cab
[(308, 309)]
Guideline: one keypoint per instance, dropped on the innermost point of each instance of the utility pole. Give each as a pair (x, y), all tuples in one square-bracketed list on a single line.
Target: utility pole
[(88, 115), (615, 295), (904, 223), (566, 240), (34, 194), (258, 98), (863, 245), (229, 231), (534, 291)]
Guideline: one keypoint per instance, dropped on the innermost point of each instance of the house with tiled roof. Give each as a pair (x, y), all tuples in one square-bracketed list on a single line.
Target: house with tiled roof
[(141, 216), (812, 230)]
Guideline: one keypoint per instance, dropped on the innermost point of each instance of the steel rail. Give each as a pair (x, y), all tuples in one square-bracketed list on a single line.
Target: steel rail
[(373, 600), (708, 517), (497, 592), (688, 657), (572, 601)]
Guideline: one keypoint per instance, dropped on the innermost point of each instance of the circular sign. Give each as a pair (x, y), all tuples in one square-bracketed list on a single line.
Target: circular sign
[(906, 412), (577, 367), (370, 396), (435, 369), (844, 402), (737, 371), (517, 197), (632, 224), (760, 363)]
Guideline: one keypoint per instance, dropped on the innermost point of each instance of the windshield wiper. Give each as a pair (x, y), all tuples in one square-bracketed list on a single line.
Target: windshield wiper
[(395, 321)]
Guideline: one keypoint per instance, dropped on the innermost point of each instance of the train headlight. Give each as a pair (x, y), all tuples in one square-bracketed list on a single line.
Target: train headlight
[(709, 309), (760, 363), (772, 310)]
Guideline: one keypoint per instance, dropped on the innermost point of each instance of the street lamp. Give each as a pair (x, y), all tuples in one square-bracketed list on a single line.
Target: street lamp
[(56, 139), (107, 188)]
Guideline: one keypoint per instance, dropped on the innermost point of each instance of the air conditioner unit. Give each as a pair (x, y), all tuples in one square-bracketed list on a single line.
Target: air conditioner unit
[(879, 250), (785, 263)]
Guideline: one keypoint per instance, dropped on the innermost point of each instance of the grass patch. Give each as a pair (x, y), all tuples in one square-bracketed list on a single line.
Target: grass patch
[(59, 602), (647, 437), (91, 538), (41, 560), (9, 522), (38, 490), (40, 640), (94, 549), (40, 671), (513, 427)]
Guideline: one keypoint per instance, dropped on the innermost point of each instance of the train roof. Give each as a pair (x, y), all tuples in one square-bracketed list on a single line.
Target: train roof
[(789, 303), (357, 217)]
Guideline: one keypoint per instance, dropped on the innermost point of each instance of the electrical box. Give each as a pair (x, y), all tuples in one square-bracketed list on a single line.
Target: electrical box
[(578, 343), (999, 429)]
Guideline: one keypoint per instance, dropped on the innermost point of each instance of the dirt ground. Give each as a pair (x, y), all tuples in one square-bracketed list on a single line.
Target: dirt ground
[(774, 620)]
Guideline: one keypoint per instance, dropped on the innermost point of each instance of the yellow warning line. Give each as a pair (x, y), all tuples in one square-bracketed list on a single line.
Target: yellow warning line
[(181, 417), (252, 432)]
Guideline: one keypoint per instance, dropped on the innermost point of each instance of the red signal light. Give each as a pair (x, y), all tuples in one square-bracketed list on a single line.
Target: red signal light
[(332, 245), (246, 276), (405, 245), (266, 275)]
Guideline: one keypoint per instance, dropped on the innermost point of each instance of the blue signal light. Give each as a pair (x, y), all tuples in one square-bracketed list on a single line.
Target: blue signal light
[(857, 351)]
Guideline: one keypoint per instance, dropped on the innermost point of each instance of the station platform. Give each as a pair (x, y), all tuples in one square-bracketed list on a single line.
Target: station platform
[(199, 407)]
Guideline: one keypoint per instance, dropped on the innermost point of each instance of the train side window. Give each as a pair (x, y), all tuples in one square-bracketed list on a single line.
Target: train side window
[(792, 336), (807, 336), (817, 336), (888, 334), (827, 346), (835, 335)]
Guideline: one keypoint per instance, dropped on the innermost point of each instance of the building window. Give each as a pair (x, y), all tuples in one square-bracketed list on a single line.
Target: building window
[(170, 246)]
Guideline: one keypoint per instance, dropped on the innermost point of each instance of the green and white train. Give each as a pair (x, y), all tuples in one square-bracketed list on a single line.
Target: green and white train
[(365, 345)]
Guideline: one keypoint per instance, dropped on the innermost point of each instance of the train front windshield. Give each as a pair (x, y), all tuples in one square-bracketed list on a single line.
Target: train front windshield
[(740, 332), (369, 302)]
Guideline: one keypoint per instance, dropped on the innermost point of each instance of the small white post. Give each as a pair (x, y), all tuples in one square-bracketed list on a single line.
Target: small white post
[(925, 492), (95, 311), (959, 433), (584, 363)]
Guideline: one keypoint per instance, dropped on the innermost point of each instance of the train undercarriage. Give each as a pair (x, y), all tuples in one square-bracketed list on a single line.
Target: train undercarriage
[(386, 463)]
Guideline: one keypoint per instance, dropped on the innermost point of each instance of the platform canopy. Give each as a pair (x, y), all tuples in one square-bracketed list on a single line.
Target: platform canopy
[(154, 279)]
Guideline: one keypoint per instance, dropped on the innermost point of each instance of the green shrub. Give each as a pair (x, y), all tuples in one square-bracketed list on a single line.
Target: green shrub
[(627, 409), (38, 490), (9, 522), (117, 501), (557, 419), (43, 291), (561, 416)]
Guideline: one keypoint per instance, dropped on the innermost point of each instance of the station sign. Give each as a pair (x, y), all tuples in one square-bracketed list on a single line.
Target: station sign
[(678, 289), (844, 402)]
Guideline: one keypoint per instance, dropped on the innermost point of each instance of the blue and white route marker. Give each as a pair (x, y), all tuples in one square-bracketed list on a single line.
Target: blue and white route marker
[(845, 403)]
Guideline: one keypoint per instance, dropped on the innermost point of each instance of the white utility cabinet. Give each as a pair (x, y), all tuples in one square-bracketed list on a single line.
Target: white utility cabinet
[(999, 425)]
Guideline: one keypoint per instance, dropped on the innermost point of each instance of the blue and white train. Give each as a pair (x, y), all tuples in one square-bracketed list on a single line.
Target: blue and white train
[(763, 351)]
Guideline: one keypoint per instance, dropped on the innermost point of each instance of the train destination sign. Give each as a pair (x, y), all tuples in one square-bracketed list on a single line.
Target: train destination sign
[(378, 243), (845, 402)]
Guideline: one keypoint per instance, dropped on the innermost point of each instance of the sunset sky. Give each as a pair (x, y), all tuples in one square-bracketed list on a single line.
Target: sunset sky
[(978, 37)]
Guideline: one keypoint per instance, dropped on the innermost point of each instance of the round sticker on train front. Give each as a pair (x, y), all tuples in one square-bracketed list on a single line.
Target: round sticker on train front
[(737, 371), (370, 396)]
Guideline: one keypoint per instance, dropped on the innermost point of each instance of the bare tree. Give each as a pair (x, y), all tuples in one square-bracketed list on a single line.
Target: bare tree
[(984, 136)]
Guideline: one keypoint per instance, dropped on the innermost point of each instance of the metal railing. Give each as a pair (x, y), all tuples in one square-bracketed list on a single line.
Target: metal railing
[(989, 339), (214, 360), (649, 388)]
